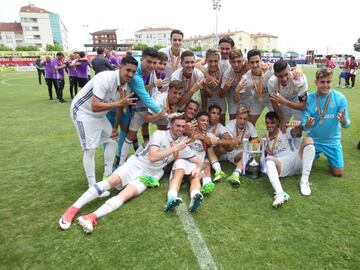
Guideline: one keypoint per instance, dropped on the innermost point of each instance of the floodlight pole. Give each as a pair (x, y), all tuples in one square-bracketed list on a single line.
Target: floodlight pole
[(216, 7)]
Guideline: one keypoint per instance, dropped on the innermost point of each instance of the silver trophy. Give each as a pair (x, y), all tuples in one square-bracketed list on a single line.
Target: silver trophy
[(253, 152)]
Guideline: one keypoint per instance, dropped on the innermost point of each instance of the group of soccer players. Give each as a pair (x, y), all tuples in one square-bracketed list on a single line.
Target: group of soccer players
[(189, 100)]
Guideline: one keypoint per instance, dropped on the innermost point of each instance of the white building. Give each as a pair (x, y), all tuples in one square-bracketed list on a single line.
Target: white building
[(154, 36), (42, 27), (11, 35)]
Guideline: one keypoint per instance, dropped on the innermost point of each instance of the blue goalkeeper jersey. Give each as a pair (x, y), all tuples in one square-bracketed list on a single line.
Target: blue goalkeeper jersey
[(329, 132)]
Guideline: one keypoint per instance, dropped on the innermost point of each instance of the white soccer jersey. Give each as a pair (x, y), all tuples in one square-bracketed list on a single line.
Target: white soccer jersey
[(250, 84), (218, 130), (293, 90), (248, 132), (283, 145), (163, 140), (103, 86), (199, 148), (224, 64), (173, 62), (187, 83), (161, 99)]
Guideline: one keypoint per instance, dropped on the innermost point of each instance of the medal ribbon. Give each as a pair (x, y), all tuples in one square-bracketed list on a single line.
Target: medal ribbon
[(187, 87), (322, 114), (260, 89), (275, 141), (173, 110)]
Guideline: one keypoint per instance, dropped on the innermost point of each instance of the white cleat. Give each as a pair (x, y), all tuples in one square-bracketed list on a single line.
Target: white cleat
[(86, 224), (64, 225), (280, 199), (305, 188)]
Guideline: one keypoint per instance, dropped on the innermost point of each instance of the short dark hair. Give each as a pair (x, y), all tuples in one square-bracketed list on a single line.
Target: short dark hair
[(272, 116), (176, 31), (82, 54), (192, 101), (253, 52), (280, 65), (214, 106), (177, 84), (179, 117), (201, 114), (150, 52), (100, 50), (227, 39), (129, 60), (162, 56), (185, 54), (60, 54)]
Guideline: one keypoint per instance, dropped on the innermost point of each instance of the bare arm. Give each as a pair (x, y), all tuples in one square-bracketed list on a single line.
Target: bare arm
[(156, 155), (97, 105)]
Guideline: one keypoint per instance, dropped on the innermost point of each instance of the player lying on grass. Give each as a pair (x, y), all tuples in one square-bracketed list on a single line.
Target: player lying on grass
[(283, 160), (163, 148)]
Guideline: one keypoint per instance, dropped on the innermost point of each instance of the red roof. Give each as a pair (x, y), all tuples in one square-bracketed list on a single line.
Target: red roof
[(33, 9), (262, 35), (105, 31), (149, 29), (10, 27)]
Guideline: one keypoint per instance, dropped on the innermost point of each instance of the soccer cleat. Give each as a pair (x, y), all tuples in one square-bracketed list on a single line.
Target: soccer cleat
[(305, 188), (195, 202), (105, 194), (87, 222), (234, 179), (208, 188), (219, 175), (67, 218), (280, 199), (149, 181), (172, 202)]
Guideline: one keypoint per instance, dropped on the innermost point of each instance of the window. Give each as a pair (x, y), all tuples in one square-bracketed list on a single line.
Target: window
[(240, 39)]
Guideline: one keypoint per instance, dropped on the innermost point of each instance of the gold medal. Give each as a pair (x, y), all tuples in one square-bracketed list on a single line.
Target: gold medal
[(321, 121)]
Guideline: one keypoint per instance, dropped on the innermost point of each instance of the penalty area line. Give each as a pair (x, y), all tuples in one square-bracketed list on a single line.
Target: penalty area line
[(197, 243)]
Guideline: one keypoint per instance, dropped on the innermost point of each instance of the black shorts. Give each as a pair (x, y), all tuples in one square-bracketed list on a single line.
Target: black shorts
[(82, 82)]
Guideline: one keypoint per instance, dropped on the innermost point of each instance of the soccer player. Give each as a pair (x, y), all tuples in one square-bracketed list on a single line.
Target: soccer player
[(164, 147), (288, 92), (353, 69), (173, 52), (191, 77), (88, 112), (158, 82), (226, 45), (325, 114), (190, 111), (256, 80), (231, 78), (184, 167), (283, 160)]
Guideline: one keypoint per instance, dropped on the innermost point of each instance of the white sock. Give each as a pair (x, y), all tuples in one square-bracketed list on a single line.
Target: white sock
[(89, 165), (125, 149), (109, 206), (172, 193), (194, 192), (216, 165), (238, 171), (109, 155), (92, 193), (273, 175), (308, 159), (206, 180)]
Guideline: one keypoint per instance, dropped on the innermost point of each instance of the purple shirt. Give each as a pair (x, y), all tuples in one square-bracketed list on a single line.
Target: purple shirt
[(72, 70), (49, 70), (82, 70), (59, 74)]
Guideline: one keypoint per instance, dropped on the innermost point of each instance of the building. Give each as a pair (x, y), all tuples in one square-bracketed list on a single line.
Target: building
[(242, 40), (11, 34), (107, 38), (154, 36), (42, 27)]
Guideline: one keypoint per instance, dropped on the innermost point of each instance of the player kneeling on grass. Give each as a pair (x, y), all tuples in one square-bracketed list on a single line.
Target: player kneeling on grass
[(283, 160), (163, 148), (183, 167)]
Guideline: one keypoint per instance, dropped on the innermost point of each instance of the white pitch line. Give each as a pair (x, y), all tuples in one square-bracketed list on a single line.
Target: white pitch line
[(196, 240)]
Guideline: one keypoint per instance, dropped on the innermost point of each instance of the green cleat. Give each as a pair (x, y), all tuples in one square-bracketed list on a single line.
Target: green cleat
[(219, 175), (149, 181), (234, 179), (208, 188)]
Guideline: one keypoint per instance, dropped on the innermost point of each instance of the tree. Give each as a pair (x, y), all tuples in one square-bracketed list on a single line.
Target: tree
[(158, 46), (275, 51), (140, 47), (55, 47), (26, 48), (196, 48), (357, 45), (5, 48)]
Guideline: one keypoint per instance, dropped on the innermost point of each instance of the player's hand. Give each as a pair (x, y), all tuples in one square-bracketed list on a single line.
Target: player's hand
[(198, 85), (182, 144), (277, 98), (310, 121), (213, 139), (162, 113), (196, 172), (341, 117), (210, 81), (127, 100), (114, 134), (229, 82), (174, 114), (296, 74), (240, 86), (160, 82)]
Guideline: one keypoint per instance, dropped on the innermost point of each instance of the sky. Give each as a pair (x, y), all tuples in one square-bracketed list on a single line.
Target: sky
[(321, 25)]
